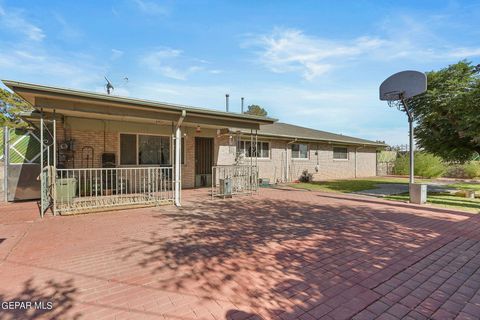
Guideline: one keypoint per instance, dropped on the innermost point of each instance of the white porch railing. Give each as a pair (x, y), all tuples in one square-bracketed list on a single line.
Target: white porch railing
[(84, 190), (231, 180)]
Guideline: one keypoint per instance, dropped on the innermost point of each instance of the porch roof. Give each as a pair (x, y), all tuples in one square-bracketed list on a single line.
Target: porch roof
[(102, 106)]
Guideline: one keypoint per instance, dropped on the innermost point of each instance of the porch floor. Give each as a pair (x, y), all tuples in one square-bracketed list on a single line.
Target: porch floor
[(280, 254)]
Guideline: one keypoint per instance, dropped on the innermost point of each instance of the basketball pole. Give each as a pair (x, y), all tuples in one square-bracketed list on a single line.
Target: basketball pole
[(410, 128)]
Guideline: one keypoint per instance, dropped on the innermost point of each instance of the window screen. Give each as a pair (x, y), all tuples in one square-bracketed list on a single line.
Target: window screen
[(128, 149), (153, 150), (340, 153), (299, 151), (263, 149)]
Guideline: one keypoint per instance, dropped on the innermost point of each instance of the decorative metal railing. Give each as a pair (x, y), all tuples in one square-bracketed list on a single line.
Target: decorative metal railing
[(94, 189), (232, 180)]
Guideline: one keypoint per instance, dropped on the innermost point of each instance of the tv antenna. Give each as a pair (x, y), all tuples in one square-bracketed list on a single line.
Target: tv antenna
[(109, 86)]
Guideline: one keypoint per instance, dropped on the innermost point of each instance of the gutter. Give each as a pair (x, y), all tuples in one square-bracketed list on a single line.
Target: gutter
[(329, 141)]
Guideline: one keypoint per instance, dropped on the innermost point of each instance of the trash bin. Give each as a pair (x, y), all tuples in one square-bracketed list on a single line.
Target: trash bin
[(418, 193), (226, 187), (66, 189)]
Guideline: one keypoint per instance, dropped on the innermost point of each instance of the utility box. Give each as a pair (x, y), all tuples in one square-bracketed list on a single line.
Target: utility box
[(226, 187), (66, 189), (418, 193)]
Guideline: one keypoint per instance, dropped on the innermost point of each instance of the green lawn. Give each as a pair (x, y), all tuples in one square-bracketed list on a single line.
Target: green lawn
[(346, 186), (445, 201), (466, 186)]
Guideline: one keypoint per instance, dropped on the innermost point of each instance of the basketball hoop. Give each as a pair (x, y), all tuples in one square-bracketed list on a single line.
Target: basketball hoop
[(395, 99), (398, 88)]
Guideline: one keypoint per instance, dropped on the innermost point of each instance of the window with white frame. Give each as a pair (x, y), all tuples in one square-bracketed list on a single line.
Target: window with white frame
[(262, 150), (138, 149), (340, 153), (299, 151)]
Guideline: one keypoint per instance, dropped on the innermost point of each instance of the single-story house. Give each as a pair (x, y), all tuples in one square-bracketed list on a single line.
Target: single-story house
[(114, 151)]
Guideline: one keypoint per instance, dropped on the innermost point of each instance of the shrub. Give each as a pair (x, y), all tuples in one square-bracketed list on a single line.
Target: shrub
[(472, 169), (306, 177), (401, 166), (429, 166), (426, 165)]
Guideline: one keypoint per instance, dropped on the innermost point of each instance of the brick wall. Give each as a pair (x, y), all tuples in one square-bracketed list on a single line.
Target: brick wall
[(104, 136), (320, 161)]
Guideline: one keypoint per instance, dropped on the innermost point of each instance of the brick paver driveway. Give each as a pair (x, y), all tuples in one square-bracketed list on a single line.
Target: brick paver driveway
[(278, 255)]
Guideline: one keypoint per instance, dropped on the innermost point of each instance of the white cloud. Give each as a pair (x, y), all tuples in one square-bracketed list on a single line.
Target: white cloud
[(290, 50), (116, 54), (38, 65), (171, 63), (465, 53), (15, 21), (287, 50), (67, 31), (151, 7)]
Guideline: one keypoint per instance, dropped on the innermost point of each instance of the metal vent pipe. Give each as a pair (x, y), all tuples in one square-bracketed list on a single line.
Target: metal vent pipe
[(226, 101)]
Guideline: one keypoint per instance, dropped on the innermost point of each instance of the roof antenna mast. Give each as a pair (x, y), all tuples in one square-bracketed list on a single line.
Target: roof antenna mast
[(109, 86)]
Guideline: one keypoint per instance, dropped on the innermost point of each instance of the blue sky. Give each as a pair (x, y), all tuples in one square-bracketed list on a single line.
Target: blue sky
[(311, 63)]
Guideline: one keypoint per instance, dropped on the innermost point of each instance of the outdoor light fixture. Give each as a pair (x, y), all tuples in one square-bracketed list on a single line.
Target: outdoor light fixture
[(198, 130)]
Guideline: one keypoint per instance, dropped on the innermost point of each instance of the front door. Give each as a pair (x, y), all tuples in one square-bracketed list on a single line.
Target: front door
[(203, 161)]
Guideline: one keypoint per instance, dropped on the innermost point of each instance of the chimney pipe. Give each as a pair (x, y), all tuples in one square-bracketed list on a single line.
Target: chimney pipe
[(226, 101), (242, 103)]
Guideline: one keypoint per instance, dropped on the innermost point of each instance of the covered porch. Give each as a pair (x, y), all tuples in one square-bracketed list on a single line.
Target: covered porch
[(100, 152)]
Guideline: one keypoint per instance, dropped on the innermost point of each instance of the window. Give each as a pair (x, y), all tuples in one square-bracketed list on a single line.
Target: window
[(262, 150), (299, 151), (144, 149), (340, 153), (128, 149), (153, 150)]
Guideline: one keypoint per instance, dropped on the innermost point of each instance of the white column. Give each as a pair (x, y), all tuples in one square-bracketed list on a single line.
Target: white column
[(177, 166)]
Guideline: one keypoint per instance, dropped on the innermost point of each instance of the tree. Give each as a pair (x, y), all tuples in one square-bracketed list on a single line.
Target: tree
[(448, 115), (10, 107), (256, 110)]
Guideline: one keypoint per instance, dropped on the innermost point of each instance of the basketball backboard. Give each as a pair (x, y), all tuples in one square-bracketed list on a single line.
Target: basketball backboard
[(403, 85)]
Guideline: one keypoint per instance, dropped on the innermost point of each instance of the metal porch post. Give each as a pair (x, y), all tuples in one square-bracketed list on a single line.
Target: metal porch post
[(178, 142), (178, 161), (54, 168), (42, 183)]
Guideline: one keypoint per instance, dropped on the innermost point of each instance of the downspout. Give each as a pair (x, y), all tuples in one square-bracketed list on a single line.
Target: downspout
[(286, 159), (178, 154)]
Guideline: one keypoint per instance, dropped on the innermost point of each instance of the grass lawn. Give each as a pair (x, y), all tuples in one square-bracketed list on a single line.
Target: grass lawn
[(466, 186), (444, 200), (348, 185)]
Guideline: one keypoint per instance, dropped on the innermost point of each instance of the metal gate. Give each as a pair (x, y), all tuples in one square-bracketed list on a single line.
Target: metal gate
[(22, 164)]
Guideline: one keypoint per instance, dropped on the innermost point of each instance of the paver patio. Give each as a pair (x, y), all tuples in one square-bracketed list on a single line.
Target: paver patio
[(282, 254)]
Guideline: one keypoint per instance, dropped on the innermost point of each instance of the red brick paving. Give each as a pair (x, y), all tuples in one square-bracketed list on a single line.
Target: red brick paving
[(278, 255)]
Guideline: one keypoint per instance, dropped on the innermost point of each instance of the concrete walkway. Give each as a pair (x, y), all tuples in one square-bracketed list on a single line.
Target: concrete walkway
[(387, 189)]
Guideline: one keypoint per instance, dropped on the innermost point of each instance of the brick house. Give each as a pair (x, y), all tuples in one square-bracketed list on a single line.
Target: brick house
[(115, 144)]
